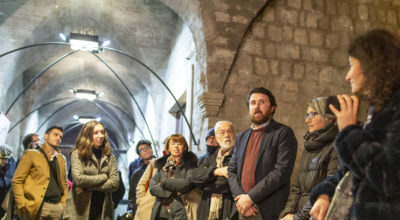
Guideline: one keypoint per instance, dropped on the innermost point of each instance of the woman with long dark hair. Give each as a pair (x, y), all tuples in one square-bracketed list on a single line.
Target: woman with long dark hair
[(369, 154), (94, 175)]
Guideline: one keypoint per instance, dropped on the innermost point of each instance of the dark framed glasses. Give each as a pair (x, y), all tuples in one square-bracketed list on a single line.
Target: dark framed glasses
[(310, 115)]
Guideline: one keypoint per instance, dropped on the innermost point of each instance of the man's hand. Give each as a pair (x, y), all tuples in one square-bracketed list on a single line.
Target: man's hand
[(223, 171), (288, 216), (243, 203), (320, 207), (348, 110), (252, 211)]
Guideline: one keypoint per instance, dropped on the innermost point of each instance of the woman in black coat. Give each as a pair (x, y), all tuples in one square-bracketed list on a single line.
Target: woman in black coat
[(371, 153), (318, 160), (172, 180)]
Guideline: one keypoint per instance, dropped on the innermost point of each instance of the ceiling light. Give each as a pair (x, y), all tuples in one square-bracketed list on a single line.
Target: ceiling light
[(63, 37), (84, 42), (105, 43), (86, 119), (86, 94)]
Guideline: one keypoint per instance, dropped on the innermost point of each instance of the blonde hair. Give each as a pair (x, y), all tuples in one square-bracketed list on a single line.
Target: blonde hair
[(84, 142)]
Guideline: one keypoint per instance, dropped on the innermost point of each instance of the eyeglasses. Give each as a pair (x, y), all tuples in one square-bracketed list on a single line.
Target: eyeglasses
[(310, 115), (143, 149)]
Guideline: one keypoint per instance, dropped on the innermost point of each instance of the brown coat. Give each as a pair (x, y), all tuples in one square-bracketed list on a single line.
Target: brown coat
[(87, 177), (31, 180), (144, 199)]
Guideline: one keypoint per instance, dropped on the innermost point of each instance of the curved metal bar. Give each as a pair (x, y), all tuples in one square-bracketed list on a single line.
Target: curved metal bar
[(55, 112), (48, 103), (130, 94), (34, 45), (162, 82), (123, 112), (71, 126), (37, 76)]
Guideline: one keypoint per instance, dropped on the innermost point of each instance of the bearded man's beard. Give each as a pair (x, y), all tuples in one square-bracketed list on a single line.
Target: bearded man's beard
[(259, 120)]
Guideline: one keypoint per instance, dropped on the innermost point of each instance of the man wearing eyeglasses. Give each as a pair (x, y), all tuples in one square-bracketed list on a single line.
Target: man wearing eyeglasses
[(143, 149), (262, 161)]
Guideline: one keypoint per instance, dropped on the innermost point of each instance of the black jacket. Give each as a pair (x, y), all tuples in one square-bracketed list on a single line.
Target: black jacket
[(162, 187), (318, 160), (203, 178), (275, 161), (372, 154)]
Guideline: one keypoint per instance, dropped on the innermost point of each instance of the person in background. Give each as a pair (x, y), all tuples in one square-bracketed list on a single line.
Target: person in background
[(369, 154), (145, 152), (7, 170), (212, 177), (318, 160), (211, 144), (94, 174)]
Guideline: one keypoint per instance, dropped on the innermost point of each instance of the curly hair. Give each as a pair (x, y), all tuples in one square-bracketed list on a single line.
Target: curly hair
[(84, 142), (379, 53), (177, 138)]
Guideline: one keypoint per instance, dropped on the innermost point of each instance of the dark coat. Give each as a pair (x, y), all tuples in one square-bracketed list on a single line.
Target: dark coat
[(162, 187), (275, 161), (133, 182), (203, 178), (318, 160), (372, 155), (6, 175)]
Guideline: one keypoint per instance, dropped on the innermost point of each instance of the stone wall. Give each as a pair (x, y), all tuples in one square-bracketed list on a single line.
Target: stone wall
[(295, 48)]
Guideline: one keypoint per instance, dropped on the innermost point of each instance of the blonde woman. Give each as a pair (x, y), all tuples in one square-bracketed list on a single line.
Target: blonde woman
[(94, 175)]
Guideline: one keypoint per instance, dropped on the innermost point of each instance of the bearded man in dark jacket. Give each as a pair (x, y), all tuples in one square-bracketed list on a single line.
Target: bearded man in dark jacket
[(212, 177)]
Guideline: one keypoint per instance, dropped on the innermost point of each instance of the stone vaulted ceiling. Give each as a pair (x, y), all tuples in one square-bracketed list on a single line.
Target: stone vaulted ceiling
[(144, 29)]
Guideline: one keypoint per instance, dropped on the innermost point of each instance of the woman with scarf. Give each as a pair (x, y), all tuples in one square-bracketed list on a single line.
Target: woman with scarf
[(319, 159), (171, 184)]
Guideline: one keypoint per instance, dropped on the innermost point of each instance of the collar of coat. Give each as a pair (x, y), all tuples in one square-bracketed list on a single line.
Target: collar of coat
[(189, 160)]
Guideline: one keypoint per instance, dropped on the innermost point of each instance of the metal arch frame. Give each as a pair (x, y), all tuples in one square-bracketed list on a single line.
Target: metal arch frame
[(110, 49), (37, 76), (130, 94), (62, 99), (162, 82), (61, 108)]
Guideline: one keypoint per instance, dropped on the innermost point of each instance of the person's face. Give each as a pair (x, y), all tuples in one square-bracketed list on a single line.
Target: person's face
[(314, 121), (355, 75), (225, 135), (53, 138), (211, 141), (260, 108), (175, 148), (35, 142), (98, 135), (4, 162), (145, 152)]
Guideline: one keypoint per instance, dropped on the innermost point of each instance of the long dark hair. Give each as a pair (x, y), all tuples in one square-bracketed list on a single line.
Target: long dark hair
[(379, 54)]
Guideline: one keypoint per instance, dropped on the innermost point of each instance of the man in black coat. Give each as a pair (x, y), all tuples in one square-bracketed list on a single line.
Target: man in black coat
[(212, 176), (262, 161)]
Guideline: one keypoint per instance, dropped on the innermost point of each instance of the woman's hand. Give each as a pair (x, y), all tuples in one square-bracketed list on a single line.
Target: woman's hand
[(348, 110), (320, 207)]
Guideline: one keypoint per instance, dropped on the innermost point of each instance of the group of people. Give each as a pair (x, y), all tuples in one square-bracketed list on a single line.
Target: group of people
[(347, 169)]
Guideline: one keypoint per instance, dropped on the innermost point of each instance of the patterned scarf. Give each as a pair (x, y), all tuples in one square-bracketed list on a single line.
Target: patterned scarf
[(170, 166)]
